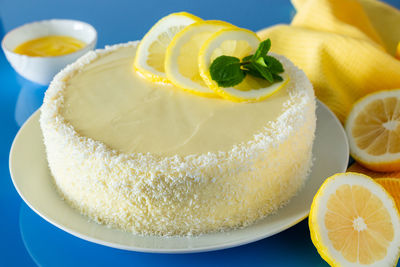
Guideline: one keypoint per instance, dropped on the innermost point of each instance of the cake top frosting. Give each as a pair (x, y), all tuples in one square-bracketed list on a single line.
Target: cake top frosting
[(107, 101), (274, 133)]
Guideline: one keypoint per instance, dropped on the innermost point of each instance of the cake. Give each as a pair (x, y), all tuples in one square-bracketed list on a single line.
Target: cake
[(152, 159)]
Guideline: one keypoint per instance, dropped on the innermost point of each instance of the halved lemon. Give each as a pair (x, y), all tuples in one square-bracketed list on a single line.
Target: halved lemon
[(181, 61), (354, 222), (238, 43), (150, 54), (389, 180), (373, 129)]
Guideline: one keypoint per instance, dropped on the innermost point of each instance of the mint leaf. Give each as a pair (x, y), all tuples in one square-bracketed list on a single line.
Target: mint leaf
[(273, 64), (226, 71), (264, 71), (277, 78), (252, 71), (229, 71), (262, 49), (261, 62), (248, 58)]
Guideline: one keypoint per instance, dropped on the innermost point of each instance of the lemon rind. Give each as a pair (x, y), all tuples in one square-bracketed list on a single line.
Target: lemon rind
[(276, 87)]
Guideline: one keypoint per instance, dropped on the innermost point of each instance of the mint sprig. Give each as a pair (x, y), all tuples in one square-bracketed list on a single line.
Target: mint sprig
[(229, 71)]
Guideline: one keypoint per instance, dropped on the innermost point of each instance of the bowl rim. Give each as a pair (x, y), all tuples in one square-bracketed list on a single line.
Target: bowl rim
[(89, 26)]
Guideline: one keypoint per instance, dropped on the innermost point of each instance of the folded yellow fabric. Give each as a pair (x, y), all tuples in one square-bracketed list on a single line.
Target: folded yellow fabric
[(346, 48)]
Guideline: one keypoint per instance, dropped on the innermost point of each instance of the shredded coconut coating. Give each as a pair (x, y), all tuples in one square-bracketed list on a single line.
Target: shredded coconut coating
[(181, 195)]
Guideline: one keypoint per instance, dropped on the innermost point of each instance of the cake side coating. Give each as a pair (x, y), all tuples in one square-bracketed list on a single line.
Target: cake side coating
[(148, 194)]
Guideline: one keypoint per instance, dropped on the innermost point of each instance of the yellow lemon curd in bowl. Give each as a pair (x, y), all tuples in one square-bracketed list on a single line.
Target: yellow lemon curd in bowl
[(50, 46)]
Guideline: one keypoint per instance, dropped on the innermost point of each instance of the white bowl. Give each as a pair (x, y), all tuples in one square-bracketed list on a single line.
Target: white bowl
[(42, 69)]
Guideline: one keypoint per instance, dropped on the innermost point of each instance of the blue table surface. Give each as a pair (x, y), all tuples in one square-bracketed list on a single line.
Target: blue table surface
[(27, 239)]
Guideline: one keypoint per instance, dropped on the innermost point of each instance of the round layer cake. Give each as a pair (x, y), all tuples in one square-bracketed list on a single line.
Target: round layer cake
[(153, 159)]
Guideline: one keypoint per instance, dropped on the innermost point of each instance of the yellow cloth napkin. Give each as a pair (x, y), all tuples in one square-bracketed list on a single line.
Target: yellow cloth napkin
[(346, 48)]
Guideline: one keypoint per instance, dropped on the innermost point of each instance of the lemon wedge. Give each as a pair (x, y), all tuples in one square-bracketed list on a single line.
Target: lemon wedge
[(181, 61), (354, 222), (239, 43), (392, 186), (373, 130), (150, 54), (356, 167)]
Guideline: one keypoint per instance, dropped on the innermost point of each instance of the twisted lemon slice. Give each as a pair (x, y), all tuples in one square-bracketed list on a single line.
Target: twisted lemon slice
[(181, 60), (150, 55), (354, 222), (238, 43)]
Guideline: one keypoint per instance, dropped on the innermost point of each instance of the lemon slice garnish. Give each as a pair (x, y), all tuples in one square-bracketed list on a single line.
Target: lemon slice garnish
[(354, 222), (373, 130), (238, 43), (181, 60), (150, 54)]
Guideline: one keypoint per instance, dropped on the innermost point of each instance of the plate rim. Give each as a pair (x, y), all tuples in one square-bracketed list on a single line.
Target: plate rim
[(230, 244)]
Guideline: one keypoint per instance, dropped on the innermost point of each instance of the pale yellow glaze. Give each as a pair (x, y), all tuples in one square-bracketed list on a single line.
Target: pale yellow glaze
[(109, 102)]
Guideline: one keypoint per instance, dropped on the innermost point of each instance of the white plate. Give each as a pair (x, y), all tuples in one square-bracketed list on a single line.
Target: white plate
[(32, 179)]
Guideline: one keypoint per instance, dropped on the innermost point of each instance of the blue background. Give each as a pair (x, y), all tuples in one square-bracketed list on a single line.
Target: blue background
[(25, 238)]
